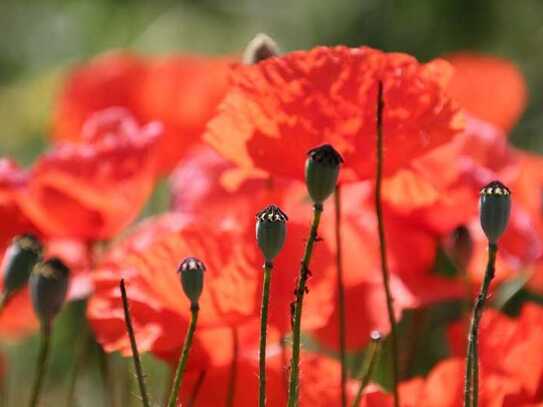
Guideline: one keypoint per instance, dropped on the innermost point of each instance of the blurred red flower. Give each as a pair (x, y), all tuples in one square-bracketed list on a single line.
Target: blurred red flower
[(490, 88), (277, 110), (181, 92)]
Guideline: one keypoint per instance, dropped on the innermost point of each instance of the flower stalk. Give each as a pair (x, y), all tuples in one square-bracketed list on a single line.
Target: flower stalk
[(370, 361), (41, 366)]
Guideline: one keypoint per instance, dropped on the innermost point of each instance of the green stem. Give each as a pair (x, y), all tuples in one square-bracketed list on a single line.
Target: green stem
[(232, 381), (382, 244), (471, 388), (134, 346), (41, 367), (366, 370), (268, 266), (81, 356), (297, 318), (174, 391), (341, 298)]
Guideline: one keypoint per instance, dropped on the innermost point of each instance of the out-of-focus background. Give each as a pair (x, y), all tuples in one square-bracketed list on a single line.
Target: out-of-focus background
[(41, 39)]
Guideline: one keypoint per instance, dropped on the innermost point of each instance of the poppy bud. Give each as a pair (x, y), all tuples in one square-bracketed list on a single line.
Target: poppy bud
[(261, 47), (321, 172), (495, 206), (461, 247), (271, 231), (19, 260), (192, 278), (48, 287)]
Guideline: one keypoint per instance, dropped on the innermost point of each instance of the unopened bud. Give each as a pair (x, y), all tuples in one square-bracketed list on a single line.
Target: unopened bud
[(261, 47), (271, 231), (192, 278), (495, 207), (321, 172), (19, 260)]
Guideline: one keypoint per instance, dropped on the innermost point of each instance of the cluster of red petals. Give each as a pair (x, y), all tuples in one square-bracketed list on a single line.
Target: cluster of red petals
[(282, 107), (181, 92)]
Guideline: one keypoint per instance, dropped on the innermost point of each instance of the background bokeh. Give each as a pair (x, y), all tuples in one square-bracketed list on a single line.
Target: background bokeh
[(41, 39)]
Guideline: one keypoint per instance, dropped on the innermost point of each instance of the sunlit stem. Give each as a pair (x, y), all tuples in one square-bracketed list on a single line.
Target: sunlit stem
[(179, 373), (382, 245), (366, 370), (134, 346), (268, 266), (297, 317), (471, 388), (340, 297), (41, 366)]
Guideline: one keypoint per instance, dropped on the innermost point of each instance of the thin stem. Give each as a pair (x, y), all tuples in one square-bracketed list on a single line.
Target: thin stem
[(382, 244), (297, 318), (263, 332), (471, 388), (174, 391), (81, 355), (196, 389), (341, 297), (366, 370), (134, 346), (41, 366), (231, 393)]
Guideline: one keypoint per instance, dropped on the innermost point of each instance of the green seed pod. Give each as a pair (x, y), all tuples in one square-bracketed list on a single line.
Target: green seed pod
[(271, 231), (321, 172), (19, 260), (495, 206), (192, 278), (48, 287), (261, 47)]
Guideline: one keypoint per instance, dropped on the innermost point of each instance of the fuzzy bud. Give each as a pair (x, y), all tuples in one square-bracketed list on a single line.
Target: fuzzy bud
[(48, 287), (271, 231), (495, 207), (20, 258), (321, 172), (192, 278), (261, 47)]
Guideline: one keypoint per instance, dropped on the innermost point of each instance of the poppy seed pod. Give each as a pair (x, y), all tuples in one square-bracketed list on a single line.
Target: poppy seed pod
[(261, 47), (48, 287), (321, 172), (271, 231), (495, 206), (192, 278), (19, 260)]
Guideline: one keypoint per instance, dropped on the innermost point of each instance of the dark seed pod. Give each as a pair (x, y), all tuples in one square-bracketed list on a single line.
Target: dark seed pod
[(461, 247), (261, 47), (271, 231), (19, 260), (48, 287), (321, 172), (192, 278), (495, 206)]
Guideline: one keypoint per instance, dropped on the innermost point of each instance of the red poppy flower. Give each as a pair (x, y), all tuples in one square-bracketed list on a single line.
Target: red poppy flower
[(490, 88), (93, 190), (277, 110), (182, 92)]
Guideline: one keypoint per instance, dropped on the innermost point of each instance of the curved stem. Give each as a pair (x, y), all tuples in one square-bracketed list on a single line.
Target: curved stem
[(341, 297), (297, 317), (176, 386), (382, 244), (41, 366), (471, 388), (134, 346), (263, 332), (233, 369), (366, 370)]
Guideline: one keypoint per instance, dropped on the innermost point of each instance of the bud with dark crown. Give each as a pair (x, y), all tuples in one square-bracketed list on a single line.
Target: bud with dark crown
[(261, 47), (495, 207), (192, 279), (271, 231), (20, 258), (48, 287), (321, 172)]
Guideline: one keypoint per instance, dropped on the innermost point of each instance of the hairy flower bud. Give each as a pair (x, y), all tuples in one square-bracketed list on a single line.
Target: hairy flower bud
[(261, 47), (48, 287), (321, 172), (495, 206), (271, 231), (19, 260), (192, 278)]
